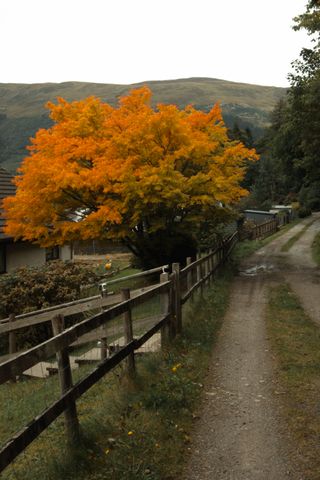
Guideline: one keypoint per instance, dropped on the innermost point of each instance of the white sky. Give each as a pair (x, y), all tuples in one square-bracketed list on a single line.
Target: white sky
[(127, 41)]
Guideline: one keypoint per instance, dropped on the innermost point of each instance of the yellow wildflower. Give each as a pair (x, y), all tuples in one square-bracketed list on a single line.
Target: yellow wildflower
[(175, 367)]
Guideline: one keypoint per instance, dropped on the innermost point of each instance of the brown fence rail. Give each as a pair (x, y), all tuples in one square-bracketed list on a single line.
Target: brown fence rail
[(265, 229), (173, 290)]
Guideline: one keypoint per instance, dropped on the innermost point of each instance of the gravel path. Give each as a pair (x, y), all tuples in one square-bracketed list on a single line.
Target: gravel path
[(239, 434)]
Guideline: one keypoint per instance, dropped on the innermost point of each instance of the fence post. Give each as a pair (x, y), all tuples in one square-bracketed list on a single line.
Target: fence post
[(103, 348), (12, 341), (199, 273), (198, 268), (177, 297), (104, 338), (189, 274), (210, 264), (65, 378), (128, 333), (206, 267), (166, 330)]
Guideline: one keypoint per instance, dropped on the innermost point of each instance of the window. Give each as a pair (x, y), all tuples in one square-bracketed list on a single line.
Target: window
[(52, 253), (2, 258)]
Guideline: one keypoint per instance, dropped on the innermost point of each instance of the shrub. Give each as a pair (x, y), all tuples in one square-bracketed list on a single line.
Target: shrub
[(29, 289), (304, 212)]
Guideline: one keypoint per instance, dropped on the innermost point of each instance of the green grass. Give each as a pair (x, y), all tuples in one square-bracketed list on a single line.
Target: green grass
[(316, 249), (131, 430), (295, 343), (286, 247)]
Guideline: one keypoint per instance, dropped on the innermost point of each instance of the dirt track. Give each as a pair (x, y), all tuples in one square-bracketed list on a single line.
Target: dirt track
[(239, 434)]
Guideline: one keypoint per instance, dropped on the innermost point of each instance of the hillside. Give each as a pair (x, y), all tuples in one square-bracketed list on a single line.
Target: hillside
[(22, 109)]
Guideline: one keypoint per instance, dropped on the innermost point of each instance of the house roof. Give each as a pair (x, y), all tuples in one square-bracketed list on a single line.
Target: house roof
[(6, 189), (258, 212)]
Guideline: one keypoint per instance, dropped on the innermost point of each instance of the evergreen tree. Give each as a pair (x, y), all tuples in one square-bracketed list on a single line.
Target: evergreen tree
[(290, 163)]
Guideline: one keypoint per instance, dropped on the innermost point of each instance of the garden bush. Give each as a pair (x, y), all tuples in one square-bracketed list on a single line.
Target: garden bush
[(29, 289)]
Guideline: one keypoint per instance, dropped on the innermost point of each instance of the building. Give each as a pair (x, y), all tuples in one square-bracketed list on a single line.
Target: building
[(259, 216), (20, 254)]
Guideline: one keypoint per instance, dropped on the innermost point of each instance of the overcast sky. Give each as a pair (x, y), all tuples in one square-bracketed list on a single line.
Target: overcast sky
[(127, 41)]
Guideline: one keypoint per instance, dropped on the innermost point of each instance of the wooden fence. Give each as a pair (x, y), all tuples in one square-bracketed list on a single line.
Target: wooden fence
[(15, 323), (173, 291), (265, 229)]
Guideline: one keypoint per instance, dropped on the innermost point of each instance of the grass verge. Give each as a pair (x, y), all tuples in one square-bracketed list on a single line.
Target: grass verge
[(316, 249), (295, 344), (286, 247), (247, 247), (137, 430)]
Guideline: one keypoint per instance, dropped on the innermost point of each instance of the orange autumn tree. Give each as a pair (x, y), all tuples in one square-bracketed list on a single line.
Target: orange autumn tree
[(129, 173)]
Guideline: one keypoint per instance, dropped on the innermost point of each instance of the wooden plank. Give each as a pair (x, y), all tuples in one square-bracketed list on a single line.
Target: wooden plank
[(177, 297), (52, 309), (138, 275), (65, 378), (189, 273), (128, 334), (199, 261), (27, 359), (47, 315), (12, 340), (165, 306)]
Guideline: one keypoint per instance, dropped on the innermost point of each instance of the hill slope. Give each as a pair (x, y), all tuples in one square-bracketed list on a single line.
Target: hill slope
[(22, 109)]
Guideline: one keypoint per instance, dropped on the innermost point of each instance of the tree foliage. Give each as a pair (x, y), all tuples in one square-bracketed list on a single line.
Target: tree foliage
[(126, 173), (290, 164)]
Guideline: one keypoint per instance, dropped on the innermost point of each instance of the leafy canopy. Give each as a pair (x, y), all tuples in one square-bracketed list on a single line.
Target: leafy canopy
[(289, 169), (124, 172)]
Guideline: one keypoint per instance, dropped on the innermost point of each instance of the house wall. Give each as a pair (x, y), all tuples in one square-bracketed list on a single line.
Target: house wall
[(24, 254), (66, 253)]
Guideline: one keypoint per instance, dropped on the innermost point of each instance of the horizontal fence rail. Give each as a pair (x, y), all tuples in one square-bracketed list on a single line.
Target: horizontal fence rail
[(265, 229), (173, 291), (146, 273), (45, 350)]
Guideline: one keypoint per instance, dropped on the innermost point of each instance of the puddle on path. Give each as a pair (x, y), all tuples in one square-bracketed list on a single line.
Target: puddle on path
[(257, 269)]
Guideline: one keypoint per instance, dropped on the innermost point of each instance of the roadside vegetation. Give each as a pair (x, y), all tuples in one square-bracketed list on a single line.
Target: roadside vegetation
[(247, 247), (295, 345), (316, 249), (139, 430)]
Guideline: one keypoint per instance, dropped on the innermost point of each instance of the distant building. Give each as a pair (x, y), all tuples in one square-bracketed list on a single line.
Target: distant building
[(286, 212), (19, 254), (259, 216)]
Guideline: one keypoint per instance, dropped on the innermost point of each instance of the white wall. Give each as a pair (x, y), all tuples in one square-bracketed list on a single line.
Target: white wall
[(66, 253), (24, 254)]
